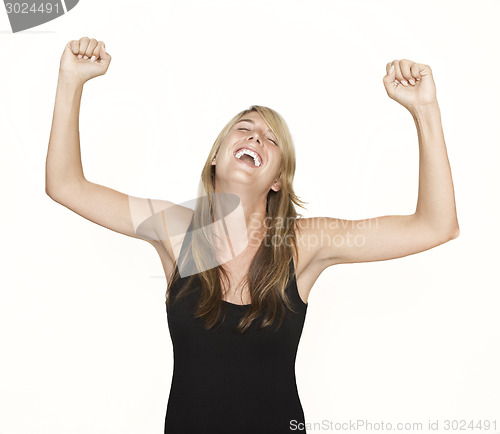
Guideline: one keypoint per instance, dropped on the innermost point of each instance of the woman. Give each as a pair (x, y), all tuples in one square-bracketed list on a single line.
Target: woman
[(240, 267)]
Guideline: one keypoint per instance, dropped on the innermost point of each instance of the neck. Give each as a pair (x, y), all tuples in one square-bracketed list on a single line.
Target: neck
[(248, 218)]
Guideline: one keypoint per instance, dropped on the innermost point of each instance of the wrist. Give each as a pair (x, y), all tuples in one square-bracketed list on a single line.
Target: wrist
[(425, 109), (69, 81)]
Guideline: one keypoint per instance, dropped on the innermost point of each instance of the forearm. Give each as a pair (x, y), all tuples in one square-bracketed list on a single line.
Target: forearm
[(436, 197), (63, 164)]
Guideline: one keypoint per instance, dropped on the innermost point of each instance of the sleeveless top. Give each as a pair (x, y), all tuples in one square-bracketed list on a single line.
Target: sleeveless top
[(225, 382)]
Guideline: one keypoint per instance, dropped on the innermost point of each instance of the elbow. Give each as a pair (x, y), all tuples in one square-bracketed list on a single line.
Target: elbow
[(55, 188), (49, 191), (49, 184), (446, 233), (455, 233), (440, 233), (452, 233)]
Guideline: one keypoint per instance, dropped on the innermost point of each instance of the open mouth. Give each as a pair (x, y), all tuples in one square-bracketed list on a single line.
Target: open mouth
[(248, 157)]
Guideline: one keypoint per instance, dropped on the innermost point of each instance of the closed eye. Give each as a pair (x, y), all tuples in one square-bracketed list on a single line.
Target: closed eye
[(271, 140)]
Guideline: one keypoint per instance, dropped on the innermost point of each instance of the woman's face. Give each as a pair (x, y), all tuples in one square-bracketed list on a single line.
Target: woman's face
[(261, 169)]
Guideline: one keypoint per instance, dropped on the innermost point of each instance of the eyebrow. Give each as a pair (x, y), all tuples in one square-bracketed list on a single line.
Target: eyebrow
[(253, 122)]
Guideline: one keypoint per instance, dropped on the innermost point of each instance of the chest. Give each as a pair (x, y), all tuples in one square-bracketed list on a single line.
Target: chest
[(190, 336), (235, 289)]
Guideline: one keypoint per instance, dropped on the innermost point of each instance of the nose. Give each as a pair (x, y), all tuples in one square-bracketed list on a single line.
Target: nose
[(254, 134)]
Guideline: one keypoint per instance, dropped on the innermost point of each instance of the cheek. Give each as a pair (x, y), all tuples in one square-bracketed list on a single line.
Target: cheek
[(276, 155), (226, 143), (230, 139)]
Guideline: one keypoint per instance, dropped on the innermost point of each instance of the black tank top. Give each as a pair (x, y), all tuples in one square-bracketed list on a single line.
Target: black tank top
[(229, 383)]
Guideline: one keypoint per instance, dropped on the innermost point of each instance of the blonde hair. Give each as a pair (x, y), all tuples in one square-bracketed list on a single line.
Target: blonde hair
[(269, 270)]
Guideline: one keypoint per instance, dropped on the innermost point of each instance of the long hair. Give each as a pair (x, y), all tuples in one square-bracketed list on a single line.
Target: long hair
[(268, 274)]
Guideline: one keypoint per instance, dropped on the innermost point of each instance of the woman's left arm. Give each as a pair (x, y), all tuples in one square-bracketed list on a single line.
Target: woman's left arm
[(435, 219)]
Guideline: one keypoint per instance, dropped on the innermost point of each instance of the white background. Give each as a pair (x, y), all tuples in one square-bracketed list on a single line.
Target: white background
[(84, 343)]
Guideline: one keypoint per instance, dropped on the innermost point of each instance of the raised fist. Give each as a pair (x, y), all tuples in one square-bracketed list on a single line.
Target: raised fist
[(84, 59), (409, 83)]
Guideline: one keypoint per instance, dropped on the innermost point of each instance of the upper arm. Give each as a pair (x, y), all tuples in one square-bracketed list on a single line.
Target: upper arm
[(141, 218), (336, 241)]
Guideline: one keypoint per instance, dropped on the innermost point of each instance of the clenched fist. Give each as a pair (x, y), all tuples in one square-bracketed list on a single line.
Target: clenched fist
[(84, 59), (409, 83)]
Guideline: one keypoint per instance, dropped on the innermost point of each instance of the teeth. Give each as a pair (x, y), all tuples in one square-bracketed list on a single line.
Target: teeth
[(251, 153)]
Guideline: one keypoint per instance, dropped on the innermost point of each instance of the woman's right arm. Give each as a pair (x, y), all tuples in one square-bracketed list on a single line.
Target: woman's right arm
[(65, 182)]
